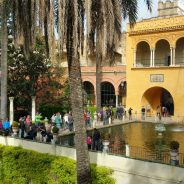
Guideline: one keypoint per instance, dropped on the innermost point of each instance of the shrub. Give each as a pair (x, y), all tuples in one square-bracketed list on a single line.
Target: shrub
[(15, 124), (21, 166), (62, 171), (174, 145), (101, 175), (47, 110)]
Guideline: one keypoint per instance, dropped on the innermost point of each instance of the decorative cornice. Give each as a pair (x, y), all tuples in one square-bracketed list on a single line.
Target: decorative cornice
[(156, 30)]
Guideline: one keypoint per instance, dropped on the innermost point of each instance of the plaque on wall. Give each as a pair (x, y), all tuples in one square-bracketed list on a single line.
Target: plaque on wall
[(157, 78)]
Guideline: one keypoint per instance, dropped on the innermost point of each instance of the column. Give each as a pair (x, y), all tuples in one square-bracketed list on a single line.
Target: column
[(33, 107), (127, 150), (174, 56), (135, 57), (11, 109), (171, 56), (116, 100), (153, 60)]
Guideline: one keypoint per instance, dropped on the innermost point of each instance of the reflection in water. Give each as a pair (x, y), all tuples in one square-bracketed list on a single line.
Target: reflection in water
[(138, 135)]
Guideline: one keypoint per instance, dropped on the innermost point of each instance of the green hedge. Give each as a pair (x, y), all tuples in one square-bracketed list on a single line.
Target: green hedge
[(48, 110), (21, 166)]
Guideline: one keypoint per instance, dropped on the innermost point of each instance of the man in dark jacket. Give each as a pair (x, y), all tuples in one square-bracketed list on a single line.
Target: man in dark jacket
[(96, 140)]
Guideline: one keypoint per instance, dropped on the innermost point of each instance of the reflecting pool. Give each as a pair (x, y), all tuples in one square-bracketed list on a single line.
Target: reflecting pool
[(139, 135)]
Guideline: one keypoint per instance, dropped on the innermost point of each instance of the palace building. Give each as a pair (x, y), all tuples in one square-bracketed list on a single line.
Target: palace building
[(155, 61), (113, 78)]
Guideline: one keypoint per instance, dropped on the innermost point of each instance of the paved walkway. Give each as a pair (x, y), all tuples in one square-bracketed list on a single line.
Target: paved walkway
[(115, 122)]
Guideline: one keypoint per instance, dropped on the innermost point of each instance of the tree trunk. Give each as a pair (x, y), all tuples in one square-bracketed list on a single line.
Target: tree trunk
[(4, 64), (76, 95), (98, 81)]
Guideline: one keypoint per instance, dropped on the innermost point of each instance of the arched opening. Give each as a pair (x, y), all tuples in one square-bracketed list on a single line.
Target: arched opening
[(143, 54), (108, 97), (89, 96), (158, 96), (180, 52), (162, 53), (122, 93)]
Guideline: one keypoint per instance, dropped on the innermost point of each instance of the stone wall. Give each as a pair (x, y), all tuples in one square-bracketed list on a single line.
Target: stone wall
[(127, 171)]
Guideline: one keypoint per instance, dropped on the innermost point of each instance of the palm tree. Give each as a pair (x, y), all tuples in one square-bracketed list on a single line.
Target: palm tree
[(3, 40), (70, 29), (104, 28), (104, 20)]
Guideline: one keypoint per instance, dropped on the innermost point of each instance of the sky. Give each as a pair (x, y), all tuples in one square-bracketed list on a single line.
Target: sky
[(143, 12)]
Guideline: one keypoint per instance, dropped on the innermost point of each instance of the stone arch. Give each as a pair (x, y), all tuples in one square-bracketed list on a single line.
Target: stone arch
[(108, 80), (162, 53), (143, 54), (87, 79), (158, 96), (118, 83), (108, 97), (89, 93), (142, 40), (179, 52), (163, 38)]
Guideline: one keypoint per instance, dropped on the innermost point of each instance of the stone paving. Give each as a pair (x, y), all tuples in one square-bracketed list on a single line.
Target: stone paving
[(115, 122)]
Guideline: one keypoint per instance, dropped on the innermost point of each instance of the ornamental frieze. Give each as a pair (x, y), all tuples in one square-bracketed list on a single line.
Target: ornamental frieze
[(157, 25)]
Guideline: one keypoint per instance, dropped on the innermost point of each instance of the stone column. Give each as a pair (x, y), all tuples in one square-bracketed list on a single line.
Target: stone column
[(116, 100), (171, 56), (153, 59), (174, 56), (127, 150), (33, 107), (135, 57), (11, 109)]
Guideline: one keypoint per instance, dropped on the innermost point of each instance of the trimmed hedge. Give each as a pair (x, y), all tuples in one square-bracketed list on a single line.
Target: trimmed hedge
[(21, 166)]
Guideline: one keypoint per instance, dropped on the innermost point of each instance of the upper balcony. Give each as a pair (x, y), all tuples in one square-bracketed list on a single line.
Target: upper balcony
[(163, 55)]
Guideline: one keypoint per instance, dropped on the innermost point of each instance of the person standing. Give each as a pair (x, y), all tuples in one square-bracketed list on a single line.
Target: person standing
[(1, 125), (58, 120), (130, 113), (6, 126), (143, 110), (70, 121), (95, 121), (38, 119), (96, 140), (27, 123), (159, 112), (53, 118), (22, 126), (66, 121)]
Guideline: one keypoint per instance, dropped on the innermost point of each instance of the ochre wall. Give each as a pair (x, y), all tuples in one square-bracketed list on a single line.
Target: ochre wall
[(138, 79)]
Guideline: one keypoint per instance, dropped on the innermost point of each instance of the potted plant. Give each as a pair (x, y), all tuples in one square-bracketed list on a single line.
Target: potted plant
[(15, 127), (174, 152), (55, 131)]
